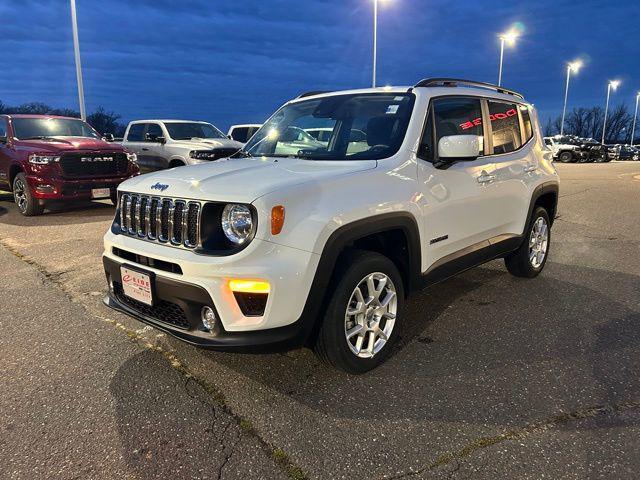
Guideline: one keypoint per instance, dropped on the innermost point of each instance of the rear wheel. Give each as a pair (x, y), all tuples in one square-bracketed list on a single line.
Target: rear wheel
[(360, 322), (529, 260), (565, 157), (28, 205)]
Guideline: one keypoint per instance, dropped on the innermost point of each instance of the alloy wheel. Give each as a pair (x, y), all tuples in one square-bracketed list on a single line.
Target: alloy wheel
[(371, 315), (538, 242), (20, 195)]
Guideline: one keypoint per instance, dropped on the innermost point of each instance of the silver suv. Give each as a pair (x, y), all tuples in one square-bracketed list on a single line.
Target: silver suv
[(161, 144)]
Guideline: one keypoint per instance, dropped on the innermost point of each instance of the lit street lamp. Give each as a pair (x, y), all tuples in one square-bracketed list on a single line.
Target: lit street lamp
[(508, 38), (571, 67), (635, 116), (613, 84), (76, 51)]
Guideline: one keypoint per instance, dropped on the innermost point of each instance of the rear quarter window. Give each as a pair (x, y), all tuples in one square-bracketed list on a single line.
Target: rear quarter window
[(526, 122)]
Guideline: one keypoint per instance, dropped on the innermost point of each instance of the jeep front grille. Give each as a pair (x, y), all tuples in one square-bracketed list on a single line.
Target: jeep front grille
[(164, 220)]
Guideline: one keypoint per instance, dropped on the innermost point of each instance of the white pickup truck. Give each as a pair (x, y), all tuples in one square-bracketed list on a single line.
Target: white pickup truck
[(563, 151), (161, 144)]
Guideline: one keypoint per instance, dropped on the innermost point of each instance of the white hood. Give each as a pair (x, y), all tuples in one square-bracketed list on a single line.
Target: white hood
[(207, 143), (240, 179)]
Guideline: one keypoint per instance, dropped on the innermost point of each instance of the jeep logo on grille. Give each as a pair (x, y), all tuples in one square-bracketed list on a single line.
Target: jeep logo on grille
[(159, 186), (96, 159)]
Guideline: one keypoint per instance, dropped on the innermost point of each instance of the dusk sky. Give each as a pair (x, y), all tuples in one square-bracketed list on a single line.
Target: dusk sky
[(236, 61)]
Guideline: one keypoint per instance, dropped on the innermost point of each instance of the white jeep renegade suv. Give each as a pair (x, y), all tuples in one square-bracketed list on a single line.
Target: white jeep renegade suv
[(297, 241)]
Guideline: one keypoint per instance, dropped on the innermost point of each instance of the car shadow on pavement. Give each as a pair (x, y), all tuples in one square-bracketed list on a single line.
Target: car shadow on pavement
[(56, 213), (483, 348)]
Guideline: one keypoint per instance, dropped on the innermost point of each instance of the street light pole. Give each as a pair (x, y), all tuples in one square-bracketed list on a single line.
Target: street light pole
[(507, 38), (573, 66), (635, 116), (76, 51), (375, 41), (612, 85), (566, 95), (501, 59)]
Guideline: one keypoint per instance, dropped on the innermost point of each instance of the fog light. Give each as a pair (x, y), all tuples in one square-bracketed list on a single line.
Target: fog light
[(45, 189), (208, 318)]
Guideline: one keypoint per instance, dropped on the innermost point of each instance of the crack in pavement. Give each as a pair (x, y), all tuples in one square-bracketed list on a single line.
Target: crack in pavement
[(282, 460), (518, 433), (575, 193)]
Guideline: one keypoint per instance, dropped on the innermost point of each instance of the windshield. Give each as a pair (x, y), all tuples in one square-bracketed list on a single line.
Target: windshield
[(32, 128), (340, 127), (187, 131)]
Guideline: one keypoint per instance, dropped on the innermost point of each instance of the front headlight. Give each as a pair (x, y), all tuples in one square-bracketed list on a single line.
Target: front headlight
[(42, 159), (132, 157), (237, 223)]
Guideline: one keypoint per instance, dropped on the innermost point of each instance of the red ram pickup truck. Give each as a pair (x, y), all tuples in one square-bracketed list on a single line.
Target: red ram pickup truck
[(45, 158)]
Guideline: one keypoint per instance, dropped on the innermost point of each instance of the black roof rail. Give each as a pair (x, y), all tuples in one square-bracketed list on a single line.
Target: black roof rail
[(455, 82), (312, 93)]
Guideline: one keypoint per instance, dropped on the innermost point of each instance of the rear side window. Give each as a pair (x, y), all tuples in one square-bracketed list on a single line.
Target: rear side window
[(458, 116), (135, 132), (240, 134), (505, 127), (526, 122)]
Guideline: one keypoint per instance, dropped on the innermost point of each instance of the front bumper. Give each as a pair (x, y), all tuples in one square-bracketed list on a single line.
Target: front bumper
[(202, 280), (190, 299), (47, 188)]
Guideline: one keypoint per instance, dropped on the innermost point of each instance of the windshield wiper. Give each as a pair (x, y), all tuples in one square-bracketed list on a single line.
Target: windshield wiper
[(40, 137), (241, 154)]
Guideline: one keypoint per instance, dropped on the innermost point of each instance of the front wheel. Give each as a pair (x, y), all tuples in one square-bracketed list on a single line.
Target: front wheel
[(530, 258), (565, 157), (28, 205), (360, 322)]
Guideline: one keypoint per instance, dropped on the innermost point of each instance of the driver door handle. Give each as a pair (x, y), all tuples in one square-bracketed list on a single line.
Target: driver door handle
[(486, 178), (145, 149)]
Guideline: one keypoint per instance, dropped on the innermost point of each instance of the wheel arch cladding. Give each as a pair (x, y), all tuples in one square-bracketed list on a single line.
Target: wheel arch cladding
[(546, 196), (14, 170), (394, 235)]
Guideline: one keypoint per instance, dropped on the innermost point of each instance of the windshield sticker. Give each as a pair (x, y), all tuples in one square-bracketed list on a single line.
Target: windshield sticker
[(392, 109)]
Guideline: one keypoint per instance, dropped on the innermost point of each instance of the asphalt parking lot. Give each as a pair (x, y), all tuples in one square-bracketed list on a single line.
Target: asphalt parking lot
[(495, 377)]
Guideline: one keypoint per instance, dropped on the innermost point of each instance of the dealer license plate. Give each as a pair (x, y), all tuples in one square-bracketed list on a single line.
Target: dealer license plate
[(137, 285)]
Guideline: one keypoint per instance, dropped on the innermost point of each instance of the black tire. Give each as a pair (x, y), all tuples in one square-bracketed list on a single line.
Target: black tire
[(177, 163), (28, 205), (566, 157), (332, 345), (518, 262)]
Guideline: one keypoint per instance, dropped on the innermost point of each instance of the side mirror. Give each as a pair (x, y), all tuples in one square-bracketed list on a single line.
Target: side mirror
[(155, 138), (109, 137), (456, 148)]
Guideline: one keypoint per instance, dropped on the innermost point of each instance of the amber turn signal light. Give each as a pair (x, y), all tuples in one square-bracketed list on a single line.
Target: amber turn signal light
[(249, 286), (277, 219)]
